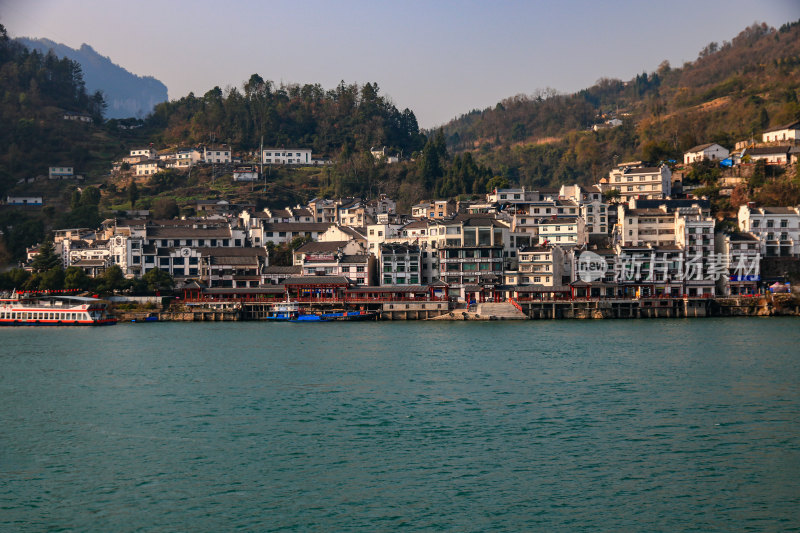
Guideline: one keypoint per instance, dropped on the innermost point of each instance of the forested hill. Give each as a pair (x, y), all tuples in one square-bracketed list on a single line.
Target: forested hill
[(126, 94), (730, 92), (36, 89), (348, 118)]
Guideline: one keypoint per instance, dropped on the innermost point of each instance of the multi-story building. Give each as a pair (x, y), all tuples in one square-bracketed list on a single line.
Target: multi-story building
[(562, 231), (470, 250), (401, 264), (60, 172), (593, 210), (147, 153), (217, 154), (323, 210), (639, 182), (777, 228), (541, 265), (146, 167), (741, 263), (646, 226)]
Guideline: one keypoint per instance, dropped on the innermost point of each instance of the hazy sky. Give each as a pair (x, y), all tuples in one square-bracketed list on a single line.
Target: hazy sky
[(439, 58)]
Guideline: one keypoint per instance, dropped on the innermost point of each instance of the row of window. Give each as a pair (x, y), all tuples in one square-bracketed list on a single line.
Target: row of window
[(387, 280), (771, 223), (37, 315)]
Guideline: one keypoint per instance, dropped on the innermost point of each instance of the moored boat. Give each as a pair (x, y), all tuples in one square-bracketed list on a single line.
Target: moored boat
[(52, 310)]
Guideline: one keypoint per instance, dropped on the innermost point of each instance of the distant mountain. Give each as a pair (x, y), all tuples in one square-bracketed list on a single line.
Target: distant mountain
[(126, 94)]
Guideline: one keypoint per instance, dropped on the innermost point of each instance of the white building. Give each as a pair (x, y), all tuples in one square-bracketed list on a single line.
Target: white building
[(639, 182), (147, 153), (245, 174), (772, 155), (741, 261), (26, 201), (788, 133), (541, 265), (55, 173), (219, 154), (705, 152), (146, 168), (563, 231), (286, 156), (593, 210), (777, 228)]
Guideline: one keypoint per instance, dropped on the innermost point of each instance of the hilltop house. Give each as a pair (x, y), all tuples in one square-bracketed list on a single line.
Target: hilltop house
[(705, 152), (786, 133)]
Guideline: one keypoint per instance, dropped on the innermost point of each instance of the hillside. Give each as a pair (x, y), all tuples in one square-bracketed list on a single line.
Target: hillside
[(731, 92), (126, 94)]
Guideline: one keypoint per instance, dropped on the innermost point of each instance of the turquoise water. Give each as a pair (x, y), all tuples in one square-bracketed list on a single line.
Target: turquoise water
[(616, 425)]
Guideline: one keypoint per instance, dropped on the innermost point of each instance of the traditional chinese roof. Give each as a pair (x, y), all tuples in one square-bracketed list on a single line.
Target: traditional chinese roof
[(317, 280), (790, 126), (318, 227), (321, 247), (767, 150)]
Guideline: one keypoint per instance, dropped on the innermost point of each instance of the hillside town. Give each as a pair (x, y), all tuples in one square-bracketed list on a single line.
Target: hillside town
[(630, 236)]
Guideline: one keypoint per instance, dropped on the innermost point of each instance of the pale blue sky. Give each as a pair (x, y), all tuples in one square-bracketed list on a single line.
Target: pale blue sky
[(440, 59)]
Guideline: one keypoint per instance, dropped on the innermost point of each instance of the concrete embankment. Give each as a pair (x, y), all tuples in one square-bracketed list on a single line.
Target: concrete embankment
[(770, 305)]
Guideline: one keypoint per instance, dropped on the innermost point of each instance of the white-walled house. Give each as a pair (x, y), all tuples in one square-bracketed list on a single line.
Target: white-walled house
[(55, 173), (146, 168), (706, 152), (36, 201), (773, 155), (245, 174), (219, 154), (286, 156), (786, 133), (148, 153)]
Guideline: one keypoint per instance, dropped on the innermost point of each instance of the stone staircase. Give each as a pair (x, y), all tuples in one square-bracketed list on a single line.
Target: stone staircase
[(500, 311)]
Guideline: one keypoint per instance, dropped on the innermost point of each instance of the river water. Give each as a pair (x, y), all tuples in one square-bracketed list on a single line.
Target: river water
[(612, 425)]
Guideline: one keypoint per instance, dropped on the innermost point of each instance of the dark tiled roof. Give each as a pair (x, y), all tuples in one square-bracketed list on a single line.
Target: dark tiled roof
[(421, 223), (391, 288), (317, 280), (188, 233), (790, 126), (354, 259), (230, 251), (742, 236), (317, 247), (642, 170), (779, 211), (296, 227), (700, 147), (767, 150)]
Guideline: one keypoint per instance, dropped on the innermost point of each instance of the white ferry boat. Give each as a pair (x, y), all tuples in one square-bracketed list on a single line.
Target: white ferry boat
[(27, 310)]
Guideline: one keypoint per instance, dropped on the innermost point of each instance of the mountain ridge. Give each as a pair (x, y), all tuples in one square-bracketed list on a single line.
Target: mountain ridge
[(127, 94)]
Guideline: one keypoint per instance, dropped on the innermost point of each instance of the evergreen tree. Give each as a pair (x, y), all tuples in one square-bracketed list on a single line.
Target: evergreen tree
[(46, 259)]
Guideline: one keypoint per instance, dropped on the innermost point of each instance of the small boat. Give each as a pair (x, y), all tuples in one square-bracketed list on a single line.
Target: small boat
[(292, 312), (51, 310), (286, 311), (344, 316)]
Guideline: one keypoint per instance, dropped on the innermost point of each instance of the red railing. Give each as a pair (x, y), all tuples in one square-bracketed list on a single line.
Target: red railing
[(515, 304)]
